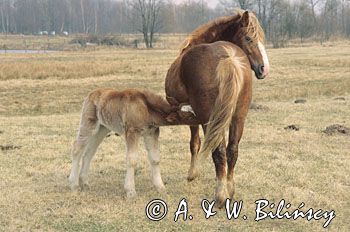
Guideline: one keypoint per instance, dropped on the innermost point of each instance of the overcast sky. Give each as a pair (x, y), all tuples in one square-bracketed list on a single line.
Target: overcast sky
[(211, 3)]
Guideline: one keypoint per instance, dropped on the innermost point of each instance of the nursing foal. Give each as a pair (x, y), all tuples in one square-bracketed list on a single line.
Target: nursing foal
[(135, 114)]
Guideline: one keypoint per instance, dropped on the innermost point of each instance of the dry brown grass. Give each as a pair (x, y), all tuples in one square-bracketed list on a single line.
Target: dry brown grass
[(65, 43), (40, 100)]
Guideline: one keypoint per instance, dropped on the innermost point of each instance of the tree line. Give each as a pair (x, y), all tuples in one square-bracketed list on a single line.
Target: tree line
[(282, 20)]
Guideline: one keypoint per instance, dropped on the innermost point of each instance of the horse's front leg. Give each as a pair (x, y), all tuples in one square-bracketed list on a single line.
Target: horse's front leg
[(220, 161), (195, 145)]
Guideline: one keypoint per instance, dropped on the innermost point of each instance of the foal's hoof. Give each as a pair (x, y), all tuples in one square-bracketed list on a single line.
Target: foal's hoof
[(84, 186), (74, 188), (161, 189), (131, 194)]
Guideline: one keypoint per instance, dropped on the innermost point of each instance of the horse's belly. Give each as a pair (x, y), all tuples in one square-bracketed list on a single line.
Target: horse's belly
[(113, 123)]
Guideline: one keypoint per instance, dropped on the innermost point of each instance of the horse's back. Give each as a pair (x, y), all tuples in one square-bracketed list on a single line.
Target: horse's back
[(207, 56)]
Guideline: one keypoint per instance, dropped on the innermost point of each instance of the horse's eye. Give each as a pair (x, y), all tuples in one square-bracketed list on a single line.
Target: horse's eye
[(248, 39)]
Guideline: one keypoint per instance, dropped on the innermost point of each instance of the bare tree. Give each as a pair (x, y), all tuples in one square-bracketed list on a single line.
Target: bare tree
[(2, 6), (83, 15), (313, 4), (146, 15), (243, 4), (282, 20)]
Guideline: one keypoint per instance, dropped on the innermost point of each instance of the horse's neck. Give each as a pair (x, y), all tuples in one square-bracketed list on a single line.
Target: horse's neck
[(220, 30), (205, 40)]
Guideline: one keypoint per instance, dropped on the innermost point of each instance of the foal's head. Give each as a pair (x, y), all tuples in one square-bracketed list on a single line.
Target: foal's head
[(250, 37)]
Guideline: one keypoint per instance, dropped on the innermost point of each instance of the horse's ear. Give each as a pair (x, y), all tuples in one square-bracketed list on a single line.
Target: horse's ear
[(185, 45), (245, 19)]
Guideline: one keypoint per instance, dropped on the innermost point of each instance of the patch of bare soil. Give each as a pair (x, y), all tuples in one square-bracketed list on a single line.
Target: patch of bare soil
[(339, 98), (336, 129), (9, 147), (254, 106), (292, 127), (300, 101)]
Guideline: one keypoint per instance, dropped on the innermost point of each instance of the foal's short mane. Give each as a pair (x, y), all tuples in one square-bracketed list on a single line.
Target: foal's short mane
[(213, 30)]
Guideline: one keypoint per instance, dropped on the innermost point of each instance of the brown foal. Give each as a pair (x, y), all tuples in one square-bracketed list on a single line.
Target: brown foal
[(132, 113)]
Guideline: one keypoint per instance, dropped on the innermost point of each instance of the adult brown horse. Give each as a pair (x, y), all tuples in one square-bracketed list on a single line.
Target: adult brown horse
[(205, 76)]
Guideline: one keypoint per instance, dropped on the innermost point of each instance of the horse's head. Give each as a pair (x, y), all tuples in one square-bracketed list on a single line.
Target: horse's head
[(250, 37), (242, 29)]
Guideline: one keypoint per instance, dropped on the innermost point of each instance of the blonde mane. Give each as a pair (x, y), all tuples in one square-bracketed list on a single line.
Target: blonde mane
[(210, 32), (254, 29)]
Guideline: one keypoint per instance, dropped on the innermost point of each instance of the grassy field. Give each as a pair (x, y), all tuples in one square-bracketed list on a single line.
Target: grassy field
[(71, 42), (40, 100)]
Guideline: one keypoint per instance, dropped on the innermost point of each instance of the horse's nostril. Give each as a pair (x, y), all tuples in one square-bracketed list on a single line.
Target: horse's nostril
[(261, 69)]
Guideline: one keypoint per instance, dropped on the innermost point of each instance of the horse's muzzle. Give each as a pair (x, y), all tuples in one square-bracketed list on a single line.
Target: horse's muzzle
[(259, 71)]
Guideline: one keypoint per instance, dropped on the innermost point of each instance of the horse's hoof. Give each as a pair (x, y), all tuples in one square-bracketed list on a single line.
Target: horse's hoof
[(192, 175), (221, 196), (220, 202), (231, 190)]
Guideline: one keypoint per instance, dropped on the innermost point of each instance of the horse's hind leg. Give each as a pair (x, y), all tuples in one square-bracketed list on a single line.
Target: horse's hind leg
[(90, 151), (235, 134), (219, 158), (195, 144), (152, 147), (132, 140)]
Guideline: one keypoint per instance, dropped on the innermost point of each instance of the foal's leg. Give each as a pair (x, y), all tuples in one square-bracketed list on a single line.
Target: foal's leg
[(90, 151), (87, 126), (132, 141), (219, 158), (78, 149), (77, 152), (235, 134), (195, 145), (152, 147)]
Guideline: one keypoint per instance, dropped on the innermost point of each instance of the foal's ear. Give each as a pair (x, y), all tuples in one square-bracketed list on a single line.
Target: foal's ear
[(245, 19)]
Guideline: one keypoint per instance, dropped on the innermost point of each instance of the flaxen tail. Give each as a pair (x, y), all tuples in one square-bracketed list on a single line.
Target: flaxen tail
[(229, 76)]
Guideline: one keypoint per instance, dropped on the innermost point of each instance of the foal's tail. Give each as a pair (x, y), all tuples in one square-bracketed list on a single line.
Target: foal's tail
[(88, 120), (229, 76)]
